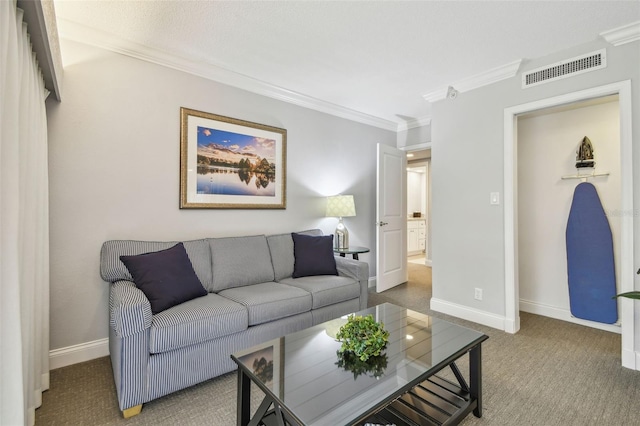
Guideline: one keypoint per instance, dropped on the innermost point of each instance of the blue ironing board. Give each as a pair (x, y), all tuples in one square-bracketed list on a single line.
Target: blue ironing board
[(590, 263)]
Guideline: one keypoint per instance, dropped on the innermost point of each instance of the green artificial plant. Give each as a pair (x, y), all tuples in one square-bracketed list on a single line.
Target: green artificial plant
[(363, 336), (630, 294)]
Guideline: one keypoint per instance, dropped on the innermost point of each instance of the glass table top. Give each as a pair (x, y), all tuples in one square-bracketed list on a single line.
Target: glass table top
[(305, 376)]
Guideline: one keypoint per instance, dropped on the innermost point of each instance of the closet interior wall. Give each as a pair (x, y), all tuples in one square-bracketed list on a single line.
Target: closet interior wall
[(547, 144)]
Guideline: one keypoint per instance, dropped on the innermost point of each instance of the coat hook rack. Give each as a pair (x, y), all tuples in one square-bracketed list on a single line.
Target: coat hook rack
[(585, 176)]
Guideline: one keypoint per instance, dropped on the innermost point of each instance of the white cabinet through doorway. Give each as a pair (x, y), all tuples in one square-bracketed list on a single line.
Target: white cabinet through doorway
[(416, 236)]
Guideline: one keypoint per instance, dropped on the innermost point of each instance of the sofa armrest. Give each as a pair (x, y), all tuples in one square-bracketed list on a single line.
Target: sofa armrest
[(129, 326), (357, 270), (129, 309)]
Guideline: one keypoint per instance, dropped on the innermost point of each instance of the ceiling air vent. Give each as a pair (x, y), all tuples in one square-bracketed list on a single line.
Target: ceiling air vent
[(574, 66)]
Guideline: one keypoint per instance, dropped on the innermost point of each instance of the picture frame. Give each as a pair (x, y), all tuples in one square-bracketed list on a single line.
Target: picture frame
[(267, 360), (228, 163)]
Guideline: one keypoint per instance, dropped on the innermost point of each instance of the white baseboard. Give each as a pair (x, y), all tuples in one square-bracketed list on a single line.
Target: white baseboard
[(501, 323), (512, 326), (78, 353), (98, 348), (631, 359), (467, 313), (564, 315), (427, 262), (372, 282)]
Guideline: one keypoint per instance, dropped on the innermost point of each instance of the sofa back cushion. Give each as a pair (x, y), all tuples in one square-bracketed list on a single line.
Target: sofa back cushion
[(240, 261), (112, 269), (281, 247)]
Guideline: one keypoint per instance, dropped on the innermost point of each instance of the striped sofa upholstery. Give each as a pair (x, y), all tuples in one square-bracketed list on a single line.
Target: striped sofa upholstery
[(252, 298)]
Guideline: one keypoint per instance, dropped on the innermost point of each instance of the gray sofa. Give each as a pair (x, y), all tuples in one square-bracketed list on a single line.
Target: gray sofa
[(251, 298)]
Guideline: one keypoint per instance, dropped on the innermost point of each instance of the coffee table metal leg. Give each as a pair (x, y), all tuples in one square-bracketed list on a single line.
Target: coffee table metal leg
[(244, 398), (475, 378), (261, 411), (279, 416), (459, 377)]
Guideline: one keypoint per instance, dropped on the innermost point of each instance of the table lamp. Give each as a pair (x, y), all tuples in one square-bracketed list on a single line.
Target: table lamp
[(341, 206)]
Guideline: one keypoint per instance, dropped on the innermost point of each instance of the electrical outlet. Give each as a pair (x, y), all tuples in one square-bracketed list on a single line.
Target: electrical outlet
[(478, 294)]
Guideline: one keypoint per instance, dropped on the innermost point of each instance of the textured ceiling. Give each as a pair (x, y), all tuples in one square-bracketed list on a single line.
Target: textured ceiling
[(377, 58)]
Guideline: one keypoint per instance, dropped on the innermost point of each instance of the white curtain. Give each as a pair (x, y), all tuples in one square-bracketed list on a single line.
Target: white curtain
[(24, 225)]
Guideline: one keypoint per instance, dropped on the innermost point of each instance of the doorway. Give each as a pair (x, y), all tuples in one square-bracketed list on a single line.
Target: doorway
[(547, 178), (419, 207), (625, 245)]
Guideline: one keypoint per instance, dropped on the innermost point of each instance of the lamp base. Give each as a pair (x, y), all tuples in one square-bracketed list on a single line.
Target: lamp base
[(341, 236)]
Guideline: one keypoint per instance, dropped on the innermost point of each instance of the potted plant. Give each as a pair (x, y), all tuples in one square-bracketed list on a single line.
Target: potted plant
[(362, 336), (630, 294)]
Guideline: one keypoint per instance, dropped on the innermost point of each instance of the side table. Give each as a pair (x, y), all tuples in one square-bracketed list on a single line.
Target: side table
[(352, 250)]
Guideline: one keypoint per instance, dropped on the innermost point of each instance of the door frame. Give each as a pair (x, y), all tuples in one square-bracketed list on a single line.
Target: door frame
[(512, 302)]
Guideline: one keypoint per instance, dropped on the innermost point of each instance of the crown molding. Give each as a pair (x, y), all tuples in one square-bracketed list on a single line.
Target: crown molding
[(82, 34), (491, 76), (436, 95), (622, 35), (484, 78), (412, 124)]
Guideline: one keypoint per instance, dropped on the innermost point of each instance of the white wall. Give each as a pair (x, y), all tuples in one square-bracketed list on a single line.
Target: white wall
[(414, 136), (114, 173), (547, 144), (467, 143)]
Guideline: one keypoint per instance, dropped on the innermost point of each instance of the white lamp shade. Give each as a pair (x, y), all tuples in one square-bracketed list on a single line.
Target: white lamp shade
[(341, 206)]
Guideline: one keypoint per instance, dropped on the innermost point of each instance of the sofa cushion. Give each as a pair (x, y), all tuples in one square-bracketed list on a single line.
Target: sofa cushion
[(240, 261), (269, 301), (112, 269), (196, 321), (166, 277), (313, 255), (326, 289), (281, 248)]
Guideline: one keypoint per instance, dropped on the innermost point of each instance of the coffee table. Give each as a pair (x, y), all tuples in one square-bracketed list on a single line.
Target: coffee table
[(304, 385)]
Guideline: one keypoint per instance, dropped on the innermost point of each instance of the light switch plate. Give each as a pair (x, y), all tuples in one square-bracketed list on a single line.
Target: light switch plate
[(494, 198)]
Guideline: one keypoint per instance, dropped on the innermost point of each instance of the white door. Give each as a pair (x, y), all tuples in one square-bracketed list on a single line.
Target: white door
[(391, 218)]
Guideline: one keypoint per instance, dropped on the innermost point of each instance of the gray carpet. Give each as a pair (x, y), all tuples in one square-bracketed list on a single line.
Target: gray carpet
[(549, 373)]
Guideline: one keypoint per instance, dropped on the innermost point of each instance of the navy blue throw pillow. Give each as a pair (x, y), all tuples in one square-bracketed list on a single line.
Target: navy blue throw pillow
[(313, 255), (166, 277)]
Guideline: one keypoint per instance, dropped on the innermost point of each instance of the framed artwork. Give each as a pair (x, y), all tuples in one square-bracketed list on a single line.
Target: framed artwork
[(265, 362), (226, 163)]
